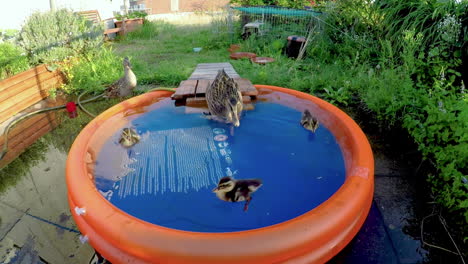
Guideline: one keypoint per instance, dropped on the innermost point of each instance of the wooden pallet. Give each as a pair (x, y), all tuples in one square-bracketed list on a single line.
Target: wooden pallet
[(204, 75), (208, 71)]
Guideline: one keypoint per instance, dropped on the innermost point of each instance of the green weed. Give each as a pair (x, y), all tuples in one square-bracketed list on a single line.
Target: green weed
[(11, 60)]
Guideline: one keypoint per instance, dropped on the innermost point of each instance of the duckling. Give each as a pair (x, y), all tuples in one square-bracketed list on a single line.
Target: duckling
[(129, 137), (231, 190), (123, 86), (224, 98), (309, 122)]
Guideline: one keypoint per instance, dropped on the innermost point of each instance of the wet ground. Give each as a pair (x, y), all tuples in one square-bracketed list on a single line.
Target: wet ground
[(36, 225)]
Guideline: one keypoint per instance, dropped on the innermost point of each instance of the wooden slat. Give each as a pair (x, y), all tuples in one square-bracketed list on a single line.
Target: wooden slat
[(15, 140), (204, 75), (215, 65), (33, 82), (29, 98), (202, 86), (92, 15), (112, 30), (186, 88), (201, 101), (41, 92), (32, 135), (209, 71), (22, 76), (26, 124), (246, 87)]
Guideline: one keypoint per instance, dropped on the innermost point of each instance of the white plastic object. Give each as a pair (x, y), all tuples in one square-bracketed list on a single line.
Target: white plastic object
[(80, 211), (83, 239)]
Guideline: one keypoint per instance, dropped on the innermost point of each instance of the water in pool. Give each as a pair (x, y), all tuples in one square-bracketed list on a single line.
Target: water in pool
[(168, 177)]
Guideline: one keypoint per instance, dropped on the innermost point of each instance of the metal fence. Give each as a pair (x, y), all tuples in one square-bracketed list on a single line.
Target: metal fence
[(270, 21)]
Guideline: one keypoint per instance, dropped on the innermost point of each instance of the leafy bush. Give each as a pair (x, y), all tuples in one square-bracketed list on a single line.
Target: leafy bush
[(131, 15), (284, 3), (415, 51), (11, 60), (8, 34), (56, 35), (92, 72)]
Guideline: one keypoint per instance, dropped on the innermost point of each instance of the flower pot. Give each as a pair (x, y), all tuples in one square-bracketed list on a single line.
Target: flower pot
[(242, 55)]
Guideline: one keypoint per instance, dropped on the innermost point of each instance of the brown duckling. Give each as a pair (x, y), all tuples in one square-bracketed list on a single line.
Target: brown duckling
[(224, 98), (125, 85), (309, 122), (129, 137), (231, 190)]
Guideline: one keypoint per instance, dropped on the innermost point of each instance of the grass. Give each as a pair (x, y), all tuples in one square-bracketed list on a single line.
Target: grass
[(360, 71), (400, 63)]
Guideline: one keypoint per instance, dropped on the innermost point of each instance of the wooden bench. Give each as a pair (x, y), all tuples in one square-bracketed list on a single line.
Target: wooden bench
[(93, 16)]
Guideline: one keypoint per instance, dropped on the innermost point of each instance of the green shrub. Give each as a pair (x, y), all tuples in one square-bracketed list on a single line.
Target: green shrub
[(11, 60), (148, 30), (93, 71), (283, 3), (55, 35), (133, 14), (8, 34), (414, 51)]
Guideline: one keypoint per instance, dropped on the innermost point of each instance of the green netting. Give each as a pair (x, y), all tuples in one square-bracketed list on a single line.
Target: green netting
[(270, 10)]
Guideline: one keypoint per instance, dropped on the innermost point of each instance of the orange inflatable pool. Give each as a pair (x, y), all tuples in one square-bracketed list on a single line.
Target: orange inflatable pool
[(313, 237)]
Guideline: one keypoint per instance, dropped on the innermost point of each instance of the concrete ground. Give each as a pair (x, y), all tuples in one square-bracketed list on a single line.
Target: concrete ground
[(36, 225)]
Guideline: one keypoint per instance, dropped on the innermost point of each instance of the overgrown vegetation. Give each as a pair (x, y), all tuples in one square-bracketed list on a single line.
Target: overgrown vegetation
[(131, 15), (282, 3), (55, 35), (413, 51), (400, 61), (12, 61)]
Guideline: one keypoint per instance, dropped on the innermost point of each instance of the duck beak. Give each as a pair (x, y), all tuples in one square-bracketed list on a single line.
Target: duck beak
[(216, 189)]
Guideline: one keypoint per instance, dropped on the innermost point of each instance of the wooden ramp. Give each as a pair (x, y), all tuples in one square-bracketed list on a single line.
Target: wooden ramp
[(202, 77)]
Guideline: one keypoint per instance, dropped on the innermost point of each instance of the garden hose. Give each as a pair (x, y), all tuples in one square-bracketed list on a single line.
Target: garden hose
[(92, 115), (80, 104), (161, 89), (15, 121)]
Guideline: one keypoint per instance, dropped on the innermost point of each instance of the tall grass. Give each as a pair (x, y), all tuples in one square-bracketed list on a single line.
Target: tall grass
[(12, 61), (406, 75)]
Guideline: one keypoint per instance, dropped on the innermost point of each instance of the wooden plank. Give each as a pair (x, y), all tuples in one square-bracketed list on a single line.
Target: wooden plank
[(202, 86), (246, 87), (32, 82), (201, 101), (210, 70), (215, 65), (204, 75), (186, 88), (112, 30), (6, 114), (25, 132), (15, 151), (36, 92), (22, 76), (26, 124)]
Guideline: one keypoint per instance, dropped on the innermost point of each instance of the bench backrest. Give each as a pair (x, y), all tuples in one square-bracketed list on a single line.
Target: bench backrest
[(91, 15)]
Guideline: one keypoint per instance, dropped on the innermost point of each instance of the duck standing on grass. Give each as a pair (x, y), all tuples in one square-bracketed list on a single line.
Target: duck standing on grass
[(125, 85), (309, 122), (224, 98), (231, 190)]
